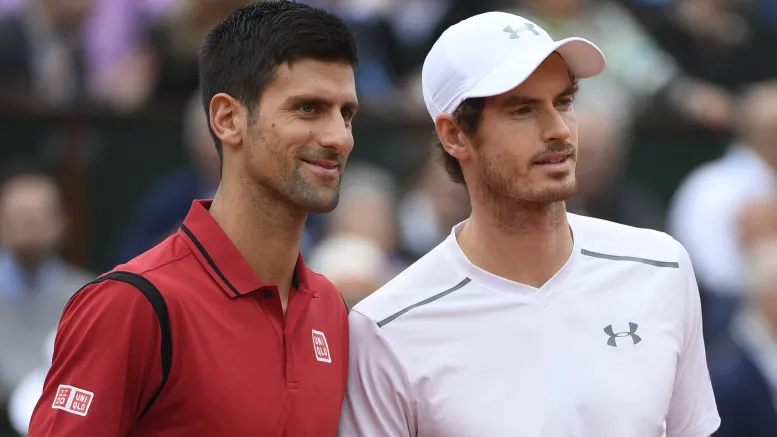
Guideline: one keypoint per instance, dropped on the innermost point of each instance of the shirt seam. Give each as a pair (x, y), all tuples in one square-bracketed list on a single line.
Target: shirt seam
[(166, 263)]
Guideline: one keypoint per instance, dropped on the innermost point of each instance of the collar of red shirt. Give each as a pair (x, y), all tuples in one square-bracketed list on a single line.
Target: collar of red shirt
[(221, 258)]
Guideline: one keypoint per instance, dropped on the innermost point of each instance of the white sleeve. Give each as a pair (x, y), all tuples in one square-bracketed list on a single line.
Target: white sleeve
[(377, 401), (692, 410)]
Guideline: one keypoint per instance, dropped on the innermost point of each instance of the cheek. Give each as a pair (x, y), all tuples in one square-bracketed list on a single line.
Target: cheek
[(510, 152), (570, 119), (293, 137), (279, 144)]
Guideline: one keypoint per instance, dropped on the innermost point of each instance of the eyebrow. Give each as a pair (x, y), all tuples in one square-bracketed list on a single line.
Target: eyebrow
[(318, 100), (511, 101)]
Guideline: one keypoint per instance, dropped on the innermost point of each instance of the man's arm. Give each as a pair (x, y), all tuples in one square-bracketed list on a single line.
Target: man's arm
[(692, 410), (106, 364), (378, 400)]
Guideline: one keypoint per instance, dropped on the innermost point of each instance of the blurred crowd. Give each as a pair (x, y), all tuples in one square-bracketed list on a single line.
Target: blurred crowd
[(678, 135)]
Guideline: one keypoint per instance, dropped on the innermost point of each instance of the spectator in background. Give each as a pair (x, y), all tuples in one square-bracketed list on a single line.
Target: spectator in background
[(121, 57), (356, 265), (29, 389), (743, 363), (757, 220), (430, 209), (42, 61), (176, 41), (118, 60), (161, 212), (35, 282), (719, 49), (604, 189), (368, 208), (705, 211), (394, 37), (637, 68), (157, 68)]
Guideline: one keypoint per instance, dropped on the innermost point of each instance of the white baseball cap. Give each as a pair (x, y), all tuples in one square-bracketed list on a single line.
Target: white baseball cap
[(491, 53)]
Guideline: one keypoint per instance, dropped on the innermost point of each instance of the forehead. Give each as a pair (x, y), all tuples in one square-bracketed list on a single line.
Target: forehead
[(549, 79), (332, 81)]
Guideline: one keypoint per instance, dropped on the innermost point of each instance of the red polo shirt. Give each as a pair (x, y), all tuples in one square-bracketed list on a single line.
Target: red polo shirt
[(239, 367)]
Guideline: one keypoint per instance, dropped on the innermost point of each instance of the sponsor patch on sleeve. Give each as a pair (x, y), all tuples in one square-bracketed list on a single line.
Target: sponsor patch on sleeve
[(73, 400)]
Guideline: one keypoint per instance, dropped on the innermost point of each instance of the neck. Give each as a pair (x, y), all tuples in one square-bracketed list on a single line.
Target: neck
[(524, 242), (264, 229)]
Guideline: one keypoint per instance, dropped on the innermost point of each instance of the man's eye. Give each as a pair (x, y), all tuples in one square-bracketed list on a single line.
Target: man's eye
[(347, 114), (566, 103), (307, 108), (522, 111)]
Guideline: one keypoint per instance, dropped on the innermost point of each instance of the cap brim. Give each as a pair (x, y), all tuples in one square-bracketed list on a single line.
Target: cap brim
[(583, 58)]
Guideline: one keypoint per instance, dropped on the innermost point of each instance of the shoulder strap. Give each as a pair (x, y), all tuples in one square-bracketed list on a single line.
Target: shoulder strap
[(160, 308)]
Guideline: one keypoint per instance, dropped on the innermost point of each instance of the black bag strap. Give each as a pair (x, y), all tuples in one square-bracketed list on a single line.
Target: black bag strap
[(160, 308)]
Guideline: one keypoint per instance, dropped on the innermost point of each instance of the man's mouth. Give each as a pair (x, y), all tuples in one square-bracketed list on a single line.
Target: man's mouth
[(329, 168), (553, 158), (326, 164)]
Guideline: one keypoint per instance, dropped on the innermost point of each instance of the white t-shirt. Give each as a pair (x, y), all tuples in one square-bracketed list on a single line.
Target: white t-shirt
[(611, 346)]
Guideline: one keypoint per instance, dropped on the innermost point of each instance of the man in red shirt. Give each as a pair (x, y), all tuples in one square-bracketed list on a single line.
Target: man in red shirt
[(221, 330)]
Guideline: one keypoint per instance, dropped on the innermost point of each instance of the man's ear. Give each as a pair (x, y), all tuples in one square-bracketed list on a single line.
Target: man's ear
[(452, 137), (228, 119)]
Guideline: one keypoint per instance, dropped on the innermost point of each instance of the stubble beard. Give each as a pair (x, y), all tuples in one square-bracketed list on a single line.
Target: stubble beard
[(509, 198), (308, 197)]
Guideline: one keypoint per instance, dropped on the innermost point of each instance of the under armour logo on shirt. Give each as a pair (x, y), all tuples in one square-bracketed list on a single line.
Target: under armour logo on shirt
[(514, 32), (632, 332)]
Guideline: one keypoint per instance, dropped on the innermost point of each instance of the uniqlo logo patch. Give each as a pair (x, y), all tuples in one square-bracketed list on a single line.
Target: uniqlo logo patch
[(73, 400), (321, 347)]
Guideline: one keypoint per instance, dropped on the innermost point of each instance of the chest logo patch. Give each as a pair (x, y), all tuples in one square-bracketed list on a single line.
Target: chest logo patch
[(321, 347), (632, 332), (73, 400)]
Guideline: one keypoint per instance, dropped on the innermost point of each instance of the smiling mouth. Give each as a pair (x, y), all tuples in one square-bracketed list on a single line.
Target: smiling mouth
[(327, 165)]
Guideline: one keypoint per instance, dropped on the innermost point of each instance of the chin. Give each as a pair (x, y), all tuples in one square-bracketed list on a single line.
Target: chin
[(556, 191), (318, 203)]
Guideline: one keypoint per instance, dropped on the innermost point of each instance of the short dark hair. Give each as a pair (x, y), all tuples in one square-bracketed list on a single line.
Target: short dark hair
[(468, 116), (241, 54)]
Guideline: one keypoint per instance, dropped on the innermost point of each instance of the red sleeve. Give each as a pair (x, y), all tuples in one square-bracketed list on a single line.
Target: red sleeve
[(106, 364)]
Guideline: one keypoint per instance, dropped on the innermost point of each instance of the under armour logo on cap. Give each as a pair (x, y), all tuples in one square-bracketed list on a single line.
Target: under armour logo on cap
[(631, 333), (514, 32)]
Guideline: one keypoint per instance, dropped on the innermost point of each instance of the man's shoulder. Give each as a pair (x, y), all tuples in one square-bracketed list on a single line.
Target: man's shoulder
[(424, 280), (168, 266), (611, 240), (113, 291), (163, 258)]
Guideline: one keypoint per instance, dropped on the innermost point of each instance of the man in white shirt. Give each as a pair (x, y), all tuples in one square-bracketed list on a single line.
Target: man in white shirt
[(527, 321), (706, 209)]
